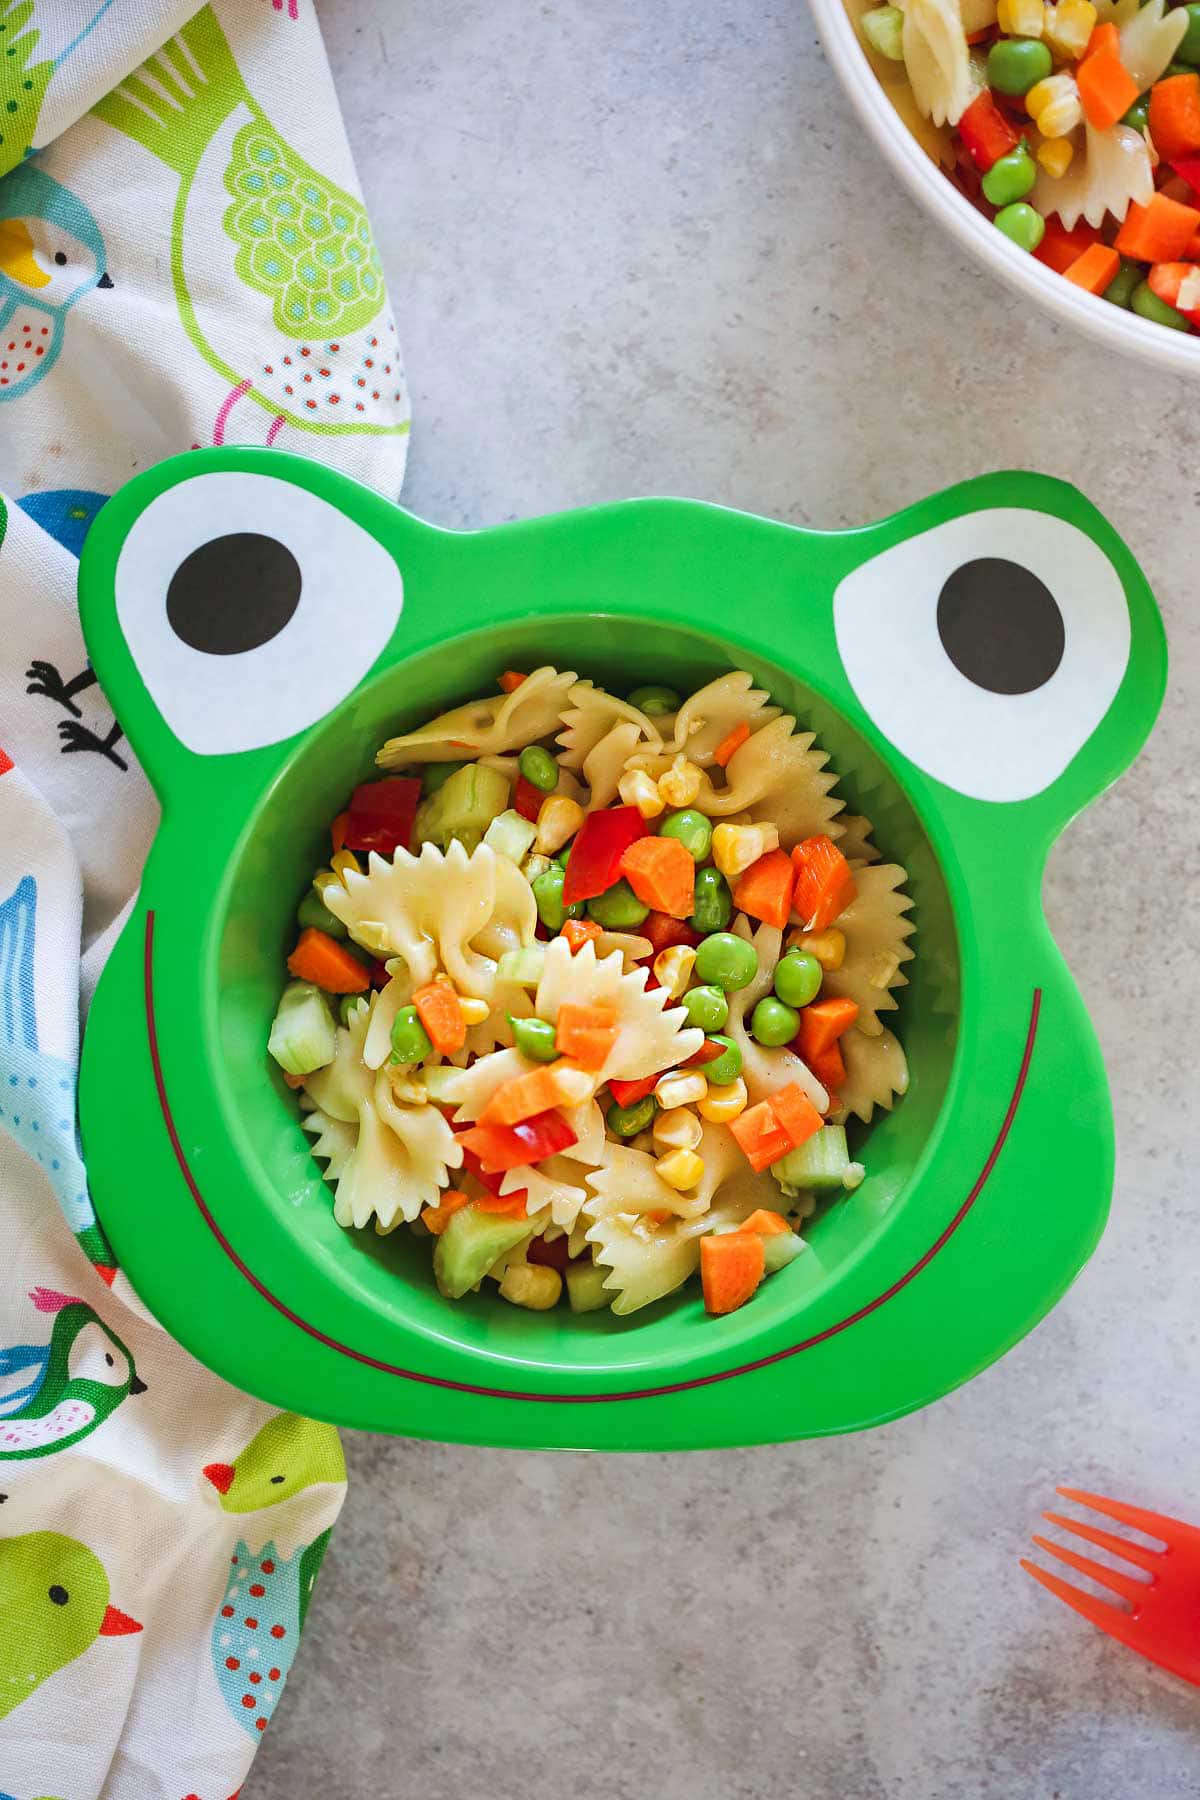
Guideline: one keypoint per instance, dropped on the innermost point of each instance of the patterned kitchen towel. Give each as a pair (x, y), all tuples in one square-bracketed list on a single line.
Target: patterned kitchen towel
[(184, 260)]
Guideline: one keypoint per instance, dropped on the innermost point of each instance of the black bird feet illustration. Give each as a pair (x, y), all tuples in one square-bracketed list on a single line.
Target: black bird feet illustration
[(80, 737), (44, 678)]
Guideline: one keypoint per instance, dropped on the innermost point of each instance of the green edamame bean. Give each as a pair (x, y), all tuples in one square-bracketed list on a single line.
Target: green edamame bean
[(410, 1040), (724, 1068), (627, 1121), (1139, 113), (654, 701), (436, 775), (1120, 289), (534, 1038), (348, 1006), (727, 961), (1019, 222), (1146, 303), (706, 1007), (798, 978), (618, 908), (692, 829), (712, 902), (1010, 177), (1014, 65), (538, 767), (772, 1023), (1189, 46), (313, 911), (547, 893)]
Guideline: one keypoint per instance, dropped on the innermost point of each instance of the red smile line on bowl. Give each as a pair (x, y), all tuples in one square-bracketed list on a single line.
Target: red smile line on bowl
[(493, 1393)]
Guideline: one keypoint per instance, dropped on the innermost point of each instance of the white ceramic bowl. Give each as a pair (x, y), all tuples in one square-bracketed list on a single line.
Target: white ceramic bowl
[(1111, 325)]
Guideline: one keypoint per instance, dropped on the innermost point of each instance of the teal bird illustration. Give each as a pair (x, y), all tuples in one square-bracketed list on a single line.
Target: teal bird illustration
[(52, 1395), (51, 255), (54, 1604), (311, 340)]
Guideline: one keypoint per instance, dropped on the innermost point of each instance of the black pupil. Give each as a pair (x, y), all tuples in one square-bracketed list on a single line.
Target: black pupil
[(108, 1358), (233, 593), (1000, 626), (275, 1479), (60, 257), (59, 1595)]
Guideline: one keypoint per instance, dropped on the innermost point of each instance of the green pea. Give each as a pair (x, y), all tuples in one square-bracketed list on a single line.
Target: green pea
[(727, 960), (627, 1121), (538, 767), (410, 1040), (534, 1038), (618, 908), (706, 1007), (692, 829), (772, 1023), (348, 1006), (1010, 177), (1022, 224), (724, 1068), (1120, 288), (436, 775), (798, 978), (1014, 65), (655, 702), (1139, 113), (313, 911), (1147, 304), (547, 893), (712, 902)]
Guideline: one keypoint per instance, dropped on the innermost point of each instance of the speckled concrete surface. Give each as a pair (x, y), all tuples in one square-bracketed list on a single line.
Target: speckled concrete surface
[(640, 247)]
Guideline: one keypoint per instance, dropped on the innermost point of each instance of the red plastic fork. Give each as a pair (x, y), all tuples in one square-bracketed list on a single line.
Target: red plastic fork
[(1163, 1620)]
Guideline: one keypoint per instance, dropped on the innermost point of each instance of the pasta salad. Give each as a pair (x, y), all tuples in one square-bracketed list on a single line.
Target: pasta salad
[(590, 989)]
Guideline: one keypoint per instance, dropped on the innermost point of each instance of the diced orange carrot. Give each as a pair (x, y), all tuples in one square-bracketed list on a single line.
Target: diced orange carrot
[(338, 830), (294, 1081), (823, 1023), (1160, 231), (1095, 269), (766, 1224), (1059, 247), (1104, 41), (1106, 88), (439, 1011), (511, 680), (796, 1113), (1175, 117), (824, 883), (327, 964), (662, 874), (524, 1096), (585, 1033), (760, 1136), (513, 1203), (829, 1068), (733, 740), (438, 1217), (765, 889), (731, 1267), (658, 1215), (579, 932)]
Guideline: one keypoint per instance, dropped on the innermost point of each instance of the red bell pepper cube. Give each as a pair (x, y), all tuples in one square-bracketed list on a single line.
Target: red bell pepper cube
[(1188, 167), (501, 1147), (555, 1255), (986, 133), (527, 800), (594, 864), (708, 1052), (381, 813), (664, 932), (628, 1093)]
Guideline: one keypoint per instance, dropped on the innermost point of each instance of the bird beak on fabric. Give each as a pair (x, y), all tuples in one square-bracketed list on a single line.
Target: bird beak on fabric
[(137, 1385), (16, 255), (221, 1476), (105, 280), (117, 1624)]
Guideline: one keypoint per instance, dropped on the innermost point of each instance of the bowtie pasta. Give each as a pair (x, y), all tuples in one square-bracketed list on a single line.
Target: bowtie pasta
[(590, 990)]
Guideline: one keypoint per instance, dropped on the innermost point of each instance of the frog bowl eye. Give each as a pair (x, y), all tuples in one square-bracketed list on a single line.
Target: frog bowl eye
[(988, 649), (251, 607)]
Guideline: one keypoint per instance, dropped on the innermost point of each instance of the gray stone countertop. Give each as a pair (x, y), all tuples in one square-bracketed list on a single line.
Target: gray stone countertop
[(638, 246)]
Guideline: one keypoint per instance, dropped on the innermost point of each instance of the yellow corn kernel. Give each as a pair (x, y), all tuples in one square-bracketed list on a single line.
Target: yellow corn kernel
[(852, 1176), (1054, 105), (406, 1087), (829, 947), (1055, 156), (473, 1011), (636, 788), (681, 1087), (372, 936), (343, 862), (558, 819), (1067, 27), (534, 865), (681, 783), (532, 1285), (721, 1104), (678, 1129), (883, 969), (1020, 18), (673, 969), (681, 1170), (735, 847)]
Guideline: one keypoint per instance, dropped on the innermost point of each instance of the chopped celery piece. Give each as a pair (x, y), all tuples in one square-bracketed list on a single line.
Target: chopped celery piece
[(585, 1287), (510, 835), (442, 1082), (470, 1244), (819, 1165), (883, 28), (780, 1249), (463, 808), (303, 1036), (522, 966)]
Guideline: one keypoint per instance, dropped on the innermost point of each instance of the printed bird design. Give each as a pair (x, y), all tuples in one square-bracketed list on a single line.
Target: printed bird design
[(66, 514), (53, 1606), (286, 1456), (23, 85), (52, 1395), (51, 255), (258, 1626), (317, 349)]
